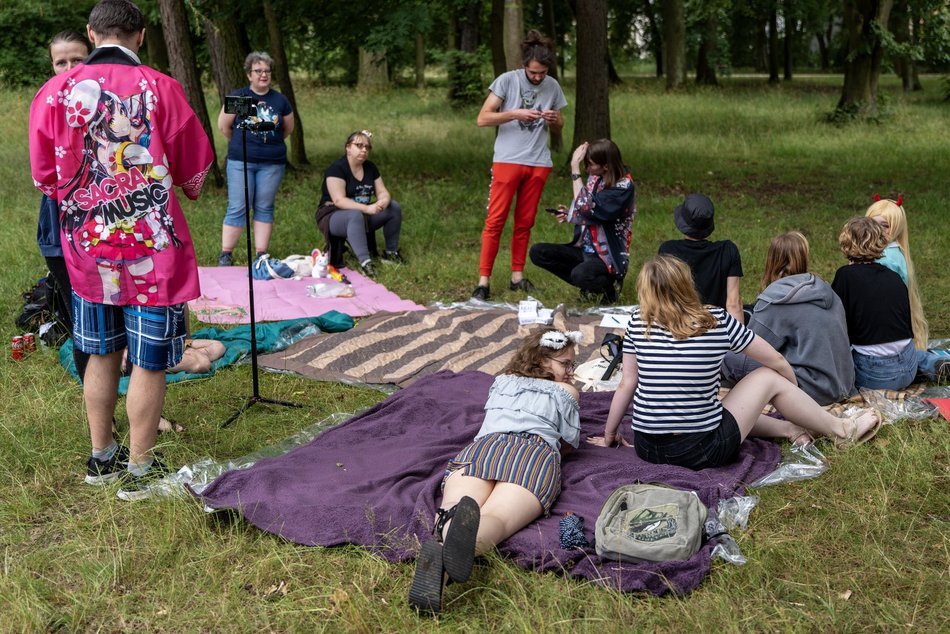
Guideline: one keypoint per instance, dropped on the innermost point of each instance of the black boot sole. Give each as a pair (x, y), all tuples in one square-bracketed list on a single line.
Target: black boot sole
[(458, 549), (426, 592)]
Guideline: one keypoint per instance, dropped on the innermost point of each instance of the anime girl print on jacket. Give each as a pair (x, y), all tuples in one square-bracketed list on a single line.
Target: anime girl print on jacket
[(115, 208)]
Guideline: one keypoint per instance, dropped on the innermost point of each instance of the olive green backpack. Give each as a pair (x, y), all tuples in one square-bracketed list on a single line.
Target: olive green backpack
[(648, 522)]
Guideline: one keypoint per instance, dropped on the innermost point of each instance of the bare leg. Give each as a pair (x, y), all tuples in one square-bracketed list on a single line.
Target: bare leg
[(769, 427), (746, 400), (262, 231), (229, 237), (508, 509), (100, 391), (144, 406), (459, 485), (483, 280)]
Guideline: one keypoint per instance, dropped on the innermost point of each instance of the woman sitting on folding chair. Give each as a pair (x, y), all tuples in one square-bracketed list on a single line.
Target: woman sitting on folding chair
[(355, 203)]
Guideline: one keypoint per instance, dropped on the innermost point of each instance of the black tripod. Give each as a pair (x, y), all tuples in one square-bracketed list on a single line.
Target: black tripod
[(255, 395)]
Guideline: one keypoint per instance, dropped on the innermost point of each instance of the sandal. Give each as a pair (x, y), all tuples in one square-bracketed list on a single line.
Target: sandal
[(851, 426), (427, 584), (458, 545), (808, 439)]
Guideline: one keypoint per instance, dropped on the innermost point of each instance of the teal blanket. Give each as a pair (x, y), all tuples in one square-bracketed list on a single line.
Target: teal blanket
[(271, 337)]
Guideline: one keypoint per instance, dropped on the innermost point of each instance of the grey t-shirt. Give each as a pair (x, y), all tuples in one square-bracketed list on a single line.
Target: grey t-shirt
[(519, 142)]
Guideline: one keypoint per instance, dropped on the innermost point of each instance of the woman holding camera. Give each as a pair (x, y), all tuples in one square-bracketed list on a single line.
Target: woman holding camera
[(272, 120)]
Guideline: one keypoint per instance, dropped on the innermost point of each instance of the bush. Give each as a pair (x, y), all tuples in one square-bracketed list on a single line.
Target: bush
[(25, 31), (465, 78)]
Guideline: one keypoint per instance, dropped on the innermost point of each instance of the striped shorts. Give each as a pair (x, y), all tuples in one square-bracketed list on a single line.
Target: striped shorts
[(525, 460)]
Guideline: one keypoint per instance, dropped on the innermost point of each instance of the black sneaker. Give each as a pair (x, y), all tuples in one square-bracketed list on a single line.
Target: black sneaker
[(368, 270), (102, 472), (392, 257), (224, 259), (480, 293), (523, 285), (136, 488)]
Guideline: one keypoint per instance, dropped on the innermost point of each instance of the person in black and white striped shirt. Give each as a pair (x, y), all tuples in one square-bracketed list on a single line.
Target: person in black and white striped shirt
[(673, 350)]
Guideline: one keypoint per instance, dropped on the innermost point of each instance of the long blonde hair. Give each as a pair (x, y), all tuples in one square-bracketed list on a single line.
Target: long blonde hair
[(668, 298), (897, 232), (788, 255)]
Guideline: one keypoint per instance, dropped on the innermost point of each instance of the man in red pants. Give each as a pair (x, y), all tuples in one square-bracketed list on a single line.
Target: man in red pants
[(523, 104)]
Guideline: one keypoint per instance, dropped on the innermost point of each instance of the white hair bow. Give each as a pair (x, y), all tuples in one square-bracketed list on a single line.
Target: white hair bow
[(556, 339)]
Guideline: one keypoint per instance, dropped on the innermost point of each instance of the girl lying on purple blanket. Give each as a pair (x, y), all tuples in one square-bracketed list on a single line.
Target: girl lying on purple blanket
[(672, 352), (511, 473)]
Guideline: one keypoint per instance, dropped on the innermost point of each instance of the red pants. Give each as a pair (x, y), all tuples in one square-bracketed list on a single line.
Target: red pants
[(507, 180)]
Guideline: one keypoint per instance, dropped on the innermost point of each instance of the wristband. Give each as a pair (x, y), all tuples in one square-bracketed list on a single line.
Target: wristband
[(575, 176)]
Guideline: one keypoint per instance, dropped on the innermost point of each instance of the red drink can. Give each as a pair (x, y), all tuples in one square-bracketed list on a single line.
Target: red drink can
[(29, 342), (17, 347)]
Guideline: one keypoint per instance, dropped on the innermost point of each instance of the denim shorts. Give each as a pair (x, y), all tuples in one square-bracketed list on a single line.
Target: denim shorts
[(263, 179), (700, 450), (886, 373), (154, 335)]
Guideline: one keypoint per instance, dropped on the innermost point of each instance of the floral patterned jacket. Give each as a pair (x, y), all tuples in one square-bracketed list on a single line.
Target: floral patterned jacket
[(603, 216)]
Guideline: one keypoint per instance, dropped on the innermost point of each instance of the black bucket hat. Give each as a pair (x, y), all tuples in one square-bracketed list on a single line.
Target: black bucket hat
[(695, 216)]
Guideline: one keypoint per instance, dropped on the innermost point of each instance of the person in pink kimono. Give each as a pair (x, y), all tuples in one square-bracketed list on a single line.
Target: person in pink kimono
[(108, 140)]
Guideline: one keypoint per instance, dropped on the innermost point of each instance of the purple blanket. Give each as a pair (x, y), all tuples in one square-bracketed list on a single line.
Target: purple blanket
[(374, 481)]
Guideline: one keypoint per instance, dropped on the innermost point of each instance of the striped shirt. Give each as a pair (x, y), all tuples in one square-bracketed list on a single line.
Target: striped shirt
[(678, 379)]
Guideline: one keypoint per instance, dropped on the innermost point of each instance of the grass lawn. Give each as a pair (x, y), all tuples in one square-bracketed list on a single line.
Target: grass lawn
[(865, 547)]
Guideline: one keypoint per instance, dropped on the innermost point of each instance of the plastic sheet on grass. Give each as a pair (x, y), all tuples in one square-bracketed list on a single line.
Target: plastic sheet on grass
[(201, 473), (731, 513), (913, 408), (799, 462)]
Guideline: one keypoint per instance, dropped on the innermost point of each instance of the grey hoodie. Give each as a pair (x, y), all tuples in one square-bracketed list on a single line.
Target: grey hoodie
[(802, 317)]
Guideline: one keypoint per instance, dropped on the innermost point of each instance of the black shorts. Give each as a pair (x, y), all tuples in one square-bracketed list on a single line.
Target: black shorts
[(699, 450)]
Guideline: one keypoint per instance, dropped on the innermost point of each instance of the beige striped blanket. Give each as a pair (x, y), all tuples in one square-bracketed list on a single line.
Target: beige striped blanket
[(397, 348)]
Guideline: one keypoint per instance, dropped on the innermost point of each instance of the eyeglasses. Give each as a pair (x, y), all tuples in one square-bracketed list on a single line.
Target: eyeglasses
[(261, 71), (569, 366), (362, 146)]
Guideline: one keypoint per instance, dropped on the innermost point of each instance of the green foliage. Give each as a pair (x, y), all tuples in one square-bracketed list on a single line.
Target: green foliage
[(25, 31), (465, 78)]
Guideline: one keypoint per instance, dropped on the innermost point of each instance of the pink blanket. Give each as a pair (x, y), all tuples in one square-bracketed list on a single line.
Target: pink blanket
[(224, 298)]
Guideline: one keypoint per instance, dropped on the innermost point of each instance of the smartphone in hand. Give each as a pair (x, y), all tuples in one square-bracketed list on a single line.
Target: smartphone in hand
[(552, 210)]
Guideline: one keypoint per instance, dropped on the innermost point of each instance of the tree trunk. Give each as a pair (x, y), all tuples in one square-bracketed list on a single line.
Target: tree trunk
[(550, 29), (468, 23), (915, 37), (705, 70), (420, 61), (901, 28), (514, 33), (374, 71), (787, 46), (823, 53), (181, 58), (156, 49), (674, 43), (298, 153), (656, 37), (497, 37), (224, 48), (773, 44), (865, 54), (761, 45), (592, 114)]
